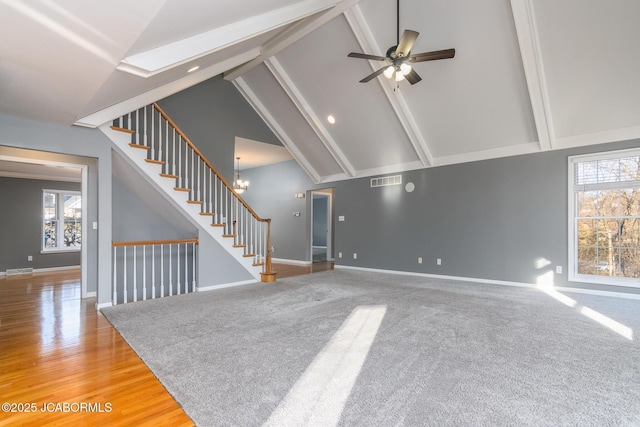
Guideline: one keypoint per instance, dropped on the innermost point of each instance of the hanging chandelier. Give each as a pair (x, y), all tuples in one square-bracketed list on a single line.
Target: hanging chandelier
[(239, 186)]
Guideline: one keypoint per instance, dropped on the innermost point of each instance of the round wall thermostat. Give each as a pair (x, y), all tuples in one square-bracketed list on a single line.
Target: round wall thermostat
[(410, 187)]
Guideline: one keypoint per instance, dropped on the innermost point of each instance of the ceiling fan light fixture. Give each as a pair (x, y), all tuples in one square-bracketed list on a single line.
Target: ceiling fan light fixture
[(399, 76), (388, 73), (405, 68)]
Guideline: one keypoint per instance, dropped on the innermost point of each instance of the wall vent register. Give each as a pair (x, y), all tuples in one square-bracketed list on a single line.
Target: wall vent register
[(385, 181)]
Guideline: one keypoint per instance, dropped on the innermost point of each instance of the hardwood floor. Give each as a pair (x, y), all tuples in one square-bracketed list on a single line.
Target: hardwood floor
[(61, 358), (289, 270), (62, 363)]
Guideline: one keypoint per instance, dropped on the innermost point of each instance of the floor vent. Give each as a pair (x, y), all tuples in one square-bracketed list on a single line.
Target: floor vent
[(14, 271), (385, 181)]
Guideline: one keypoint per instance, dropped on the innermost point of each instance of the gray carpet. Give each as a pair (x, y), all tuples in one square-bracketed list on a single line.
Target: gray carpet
[(446, 353)]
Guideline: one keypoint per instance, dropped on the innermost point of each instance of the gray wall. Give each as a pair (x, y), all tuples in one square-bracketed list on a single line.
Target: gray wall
[(21, 225), (212, 114), (272, 195), (490, 219), (31, 139), (140, 212)]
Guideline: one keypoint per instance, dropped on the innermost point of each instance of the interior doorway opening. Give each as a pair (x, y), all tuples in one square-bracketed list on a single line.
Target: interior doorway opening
[(322, 225)]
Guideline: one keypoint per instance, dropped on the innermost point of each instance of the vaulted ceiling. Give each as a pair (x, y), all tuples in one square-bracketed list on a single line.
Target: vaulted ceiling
[(528, 75)]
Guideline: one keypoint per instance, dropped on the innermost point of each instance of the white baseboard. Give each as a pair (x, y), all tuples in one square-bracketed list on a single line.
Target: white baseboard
[(291, 261), (495, 282), (29, 270), (225, 285), (103, 305), (90, 295), (49, 269)]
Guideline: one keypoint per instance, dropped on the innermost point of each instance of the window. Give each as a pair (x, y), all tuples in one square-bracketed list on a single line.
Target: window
[(61, 221), (604, 218)]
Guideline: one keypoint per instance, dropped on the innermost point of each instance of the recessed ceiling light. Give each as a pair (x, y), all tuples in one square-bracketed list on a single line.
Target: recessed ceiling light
[(331, 119), (192, 69)]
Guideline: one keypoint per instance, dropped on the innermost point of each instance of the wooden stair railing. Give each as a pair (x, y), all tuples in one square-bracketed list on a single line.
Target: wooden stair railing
[(153, 130), (153, 269)]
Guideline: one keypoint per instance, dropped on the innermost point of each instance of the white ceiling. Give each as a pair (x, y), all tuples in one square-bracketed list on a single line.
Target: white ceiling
[(528, 75)]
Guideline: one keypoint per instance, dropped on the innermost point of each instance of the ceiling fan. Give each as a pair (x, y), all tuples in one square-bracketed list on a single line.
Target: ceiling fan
[(399, 59)]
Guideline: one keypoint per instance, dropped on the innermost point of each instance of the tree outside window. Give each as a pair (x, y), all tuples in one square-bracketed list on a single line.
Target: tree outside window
[(605, 194), (62, 220)]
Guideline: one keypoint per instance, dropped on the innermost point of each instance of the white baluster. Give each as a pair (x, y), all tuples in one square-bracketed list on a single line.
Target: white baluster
[(178, 270), (170, 276), (115, 276), (153, 271), (173, 159), (146, 140), (186, 269), (193, 269), (135, 276), (199, 179), (124, 293), (161, 271), (144, 272)]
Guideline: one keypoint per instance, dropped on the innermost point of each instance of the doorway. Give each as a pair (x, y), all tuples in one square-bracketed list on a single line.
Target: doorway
[(322, 225)]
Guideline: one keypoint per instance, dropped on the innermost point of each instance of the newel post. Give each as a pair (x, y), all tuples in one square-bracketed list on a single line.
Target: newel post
[(268, 275)]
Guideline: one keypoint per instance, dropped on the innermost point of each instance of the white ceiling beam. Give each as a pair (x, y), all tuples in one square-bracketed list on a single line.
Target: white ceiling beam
[(162, 58), (107, 114), (526, 29), (310, 116), (367, 42), (292, 35), (275, 127)]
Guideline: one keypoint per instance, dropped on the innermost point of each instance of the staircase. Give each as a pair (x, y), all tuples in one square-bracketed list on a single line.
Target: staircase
[(158, 149)]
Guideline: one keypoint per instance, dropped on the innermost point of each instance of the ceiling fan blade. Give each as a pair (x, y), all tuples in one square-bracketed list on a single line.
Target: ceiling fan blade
[(373, 75), (366, 56), (431, 56), (413, 77), (406, 42)]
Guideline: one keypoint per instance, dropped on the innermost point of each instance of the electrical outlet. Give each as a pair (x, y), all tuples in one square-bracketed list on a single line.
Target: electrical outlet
[(558, 269), (30, 258), (439, 261), (355, 255), (341, 218), (339, 254), (419, 260)]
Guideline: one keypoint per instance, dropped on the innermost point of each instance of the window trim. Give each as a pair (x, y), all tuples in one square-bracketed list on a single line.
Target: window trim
[(573, 275), (58, 249)]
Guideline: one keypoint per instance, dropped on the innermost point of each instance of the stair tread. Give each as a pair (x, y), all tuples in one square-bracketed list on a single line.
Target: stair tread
[(181, 189), (195, 202), (258, 264), (248, 255), (239, 246), (166, 175), (207, 213), (218, 225), (142, 147), (155, 162), (119, 129), (228, 235)]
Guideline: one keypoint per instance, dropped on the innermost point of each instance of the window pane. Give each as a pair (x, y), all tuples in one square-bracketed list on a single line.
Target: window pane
[(587, 232), (72, 233), (631, 202), (50, 211), (587, 261), (630, 168), (50, 233), (630, 262), (608, 203), (587, 203), (72, 207), (608, 170)]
